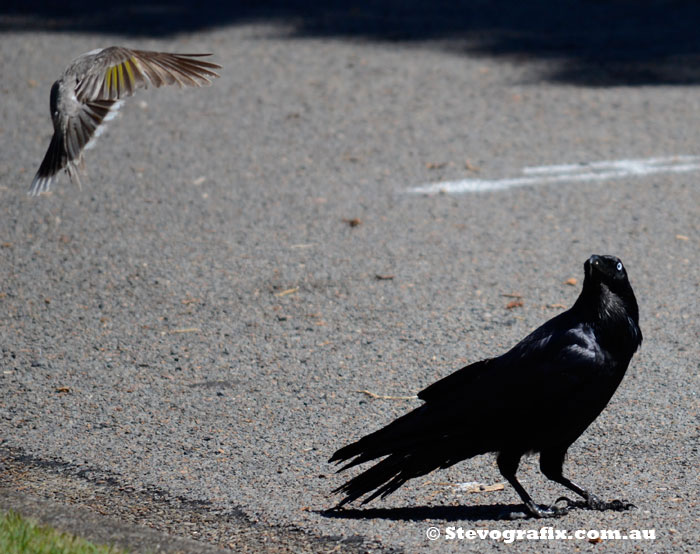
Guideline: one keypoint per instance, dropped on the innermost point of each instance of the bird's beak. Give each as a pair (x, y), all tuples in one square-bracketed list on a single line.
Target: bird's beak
[(591, 262)]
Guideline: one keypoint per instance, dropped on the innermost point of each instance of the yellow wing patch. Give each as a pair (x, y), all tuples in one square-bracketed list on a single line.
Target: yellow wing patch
[(120, 71), (127, 66), (120, 78), (111, 82)]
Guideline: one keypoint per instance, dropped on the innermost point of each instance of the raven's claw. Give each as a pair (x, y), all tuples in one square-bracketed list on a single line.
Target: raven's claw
[(594, 503)]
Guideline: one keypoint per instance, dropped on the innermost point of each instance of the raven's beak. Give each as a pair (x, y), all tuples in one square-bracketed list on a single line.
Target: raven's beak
[(593, 261)]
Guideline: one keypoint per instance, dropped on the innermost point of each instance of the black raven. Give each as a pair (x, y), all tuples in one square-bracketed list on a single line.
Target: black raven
[(537, 397)]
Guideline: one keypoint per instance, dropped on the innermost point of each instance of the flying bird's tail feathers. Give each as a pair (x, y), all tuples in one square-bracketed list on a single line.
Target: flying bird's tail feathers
[(54, 160), (66, 148)]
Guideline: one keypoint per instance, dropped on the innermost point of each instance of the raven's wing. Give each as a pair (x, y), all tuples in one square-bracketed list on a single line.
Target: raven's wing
[(554, 382), (474, 408)]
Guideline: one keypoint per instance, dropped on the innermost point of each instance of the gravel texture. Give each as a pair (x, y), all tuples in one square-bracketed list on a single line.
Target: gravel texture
[(189, 332)]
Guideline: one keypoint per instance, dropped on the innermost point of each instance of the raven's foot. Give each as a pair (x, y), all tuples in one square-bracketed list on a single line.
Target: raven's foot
[(595, 503)]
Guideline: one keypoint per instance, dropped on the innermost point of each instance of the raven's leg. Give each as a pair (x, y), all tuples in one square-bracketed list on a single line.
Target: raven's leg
[(508, 466), (552, 465)]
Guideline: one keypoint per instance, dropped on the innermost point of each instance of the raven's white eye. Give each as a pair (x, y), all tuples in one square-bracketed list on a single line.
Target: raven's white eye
[(619, 266)]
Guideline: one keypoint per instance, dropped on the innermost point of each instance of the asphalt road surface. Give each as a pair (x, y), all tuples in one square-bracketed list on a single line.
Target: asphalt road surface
[(185, 339)]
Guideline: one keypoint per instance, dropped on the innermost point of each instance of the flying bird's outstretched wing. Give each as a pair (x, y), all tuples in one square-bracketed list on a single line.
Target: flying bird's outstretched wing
[(117, 72)]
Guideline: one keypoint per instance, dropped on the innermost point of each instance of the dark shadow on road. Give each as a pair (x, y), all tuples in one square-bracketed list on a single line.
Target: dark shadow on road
[(588, 42), (492, 512)]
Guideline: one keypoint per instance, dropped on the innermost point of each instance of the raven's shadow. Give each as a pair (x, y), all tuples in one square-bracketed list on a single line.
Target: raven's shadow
[(493, 512)]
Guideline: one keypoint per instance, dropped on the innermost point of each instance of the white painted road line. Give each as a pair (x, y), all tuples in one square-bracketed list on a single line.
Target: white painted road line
[(634, 166), (568, 173)]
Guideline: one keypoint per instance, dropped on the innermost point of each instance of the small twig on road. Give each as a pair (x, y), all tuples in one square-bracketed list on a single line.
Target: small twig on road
[(286, 292)]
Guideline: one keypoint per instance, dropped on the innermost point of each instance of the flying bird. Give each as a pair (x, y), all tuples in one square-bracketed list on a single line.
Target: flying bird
[(538, 397), (90, 91)]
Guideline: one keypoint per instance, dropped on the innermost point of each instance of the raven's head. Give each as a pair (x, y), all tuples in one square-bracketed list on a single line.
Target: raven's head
[(608, 270), (607, 289)]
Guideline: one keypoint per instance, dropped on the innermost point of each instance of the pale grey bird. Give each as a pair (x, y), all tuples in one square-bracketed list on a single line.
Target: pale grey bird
[(90, 91)]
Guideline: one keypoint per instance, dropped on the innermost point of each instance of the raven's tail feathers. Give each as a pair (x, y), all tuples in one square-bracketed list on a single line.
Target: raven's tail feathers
[(409, 448), (386, 476)]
